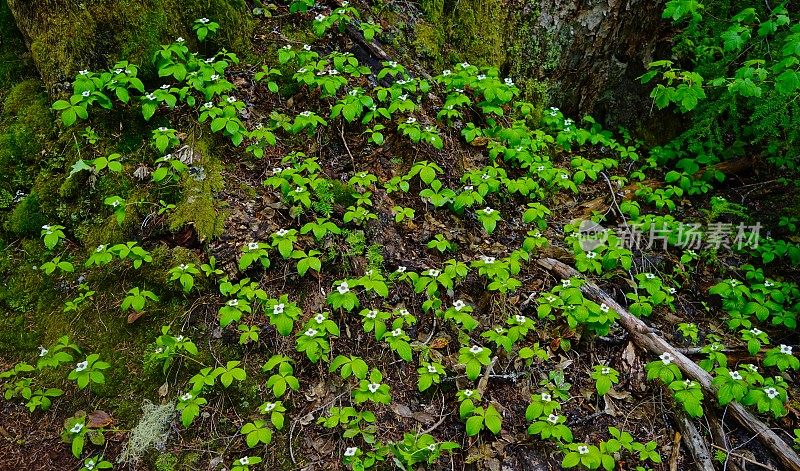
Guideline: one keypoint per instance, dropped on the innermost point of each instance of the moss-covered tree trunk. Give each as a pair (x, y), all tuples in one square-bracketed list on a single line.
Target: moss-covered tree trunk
[(584, 54), (65, 36)]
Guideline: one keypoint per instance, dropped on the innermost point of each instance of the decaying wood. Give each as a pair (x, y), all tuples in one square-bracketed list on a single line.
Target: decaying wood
[(645, 338), (599, 204), (695, 443)]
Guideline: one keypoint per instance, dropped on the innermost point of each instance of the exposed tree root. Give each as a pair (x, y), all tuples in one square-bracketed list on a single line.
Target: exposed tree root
[(644, 337)]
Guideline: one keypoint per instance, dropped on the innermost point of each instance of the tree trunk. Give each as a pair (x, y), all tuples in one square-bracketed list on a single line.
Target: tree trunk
[(584, 55)]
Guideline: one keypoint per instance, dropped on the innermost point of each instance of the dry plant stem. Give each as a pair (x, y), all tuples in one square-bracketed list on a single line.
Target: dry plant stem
[(695, 443), (645, 338)]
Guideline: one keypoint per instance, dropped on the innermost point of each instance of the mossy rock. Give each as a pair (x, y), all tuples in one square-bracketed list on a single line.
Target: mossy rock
[(65, 36)]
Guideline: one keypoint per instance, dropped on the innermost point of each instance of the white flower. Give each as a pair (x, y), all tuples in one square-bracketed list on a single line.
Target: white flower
[(150, 96), (649, 276), (434, 273), (46, 227), (432, 447), (299, 189), (319, 318), (404, 312), (540, 168), (475, 349), (179, 338), (767, 283), (520, 319), (411, 120), (207, 61), (277, 170), (182, 266), (786, 349), (179, 40), (397, 332), (400, 269), (269, 406), (252, 246), (446, 72), (305, 114), (546, 397), (404, 97), (333, 72), (373, 387), (164, 87), (666, 358), (488, 260), (42, 351), (509, 82), (278, 308), (351, 451), (372, 314), (231, 99), (320, 17), (281, 232), (76, 428), (752, 367), (464, 65), (208, 104), (431, 369), (487, 210), (89, 464), (306, 47), (84, 72), (604, 307), (204, 20), (583, 449), (564, 176), (605, 370), (392, 64), (734, 283), (467, 392), (689, 383), (86, 93), (100, 248), (485, 176), (343, 288), (735, 375), (755, 331), (672, 291), (233, 302), (244, 460), (481, 77), (591, 255), (458, 305), (81, 366), (566, 283), (552, 418), (214, 77), (468, 188), (310, 333), (771, 393), (186, 397)]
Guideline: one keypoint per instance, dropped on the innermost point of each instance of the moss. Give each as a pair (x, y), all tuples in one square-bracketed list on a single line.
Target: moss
[(27, 217), (14, 58), (198, 206), (166, 462), (90, 35)]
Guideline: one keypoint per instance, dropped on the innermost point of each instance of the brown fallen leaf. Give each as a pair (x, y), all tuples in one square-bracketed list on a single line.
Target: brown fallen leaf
[(439, 343), (98, 419), (134, 316)]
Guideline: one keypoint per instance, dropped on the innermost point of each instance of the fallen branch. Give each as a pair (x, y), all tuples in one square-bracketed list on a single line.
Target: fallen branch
[(695, 443), (645, 338)]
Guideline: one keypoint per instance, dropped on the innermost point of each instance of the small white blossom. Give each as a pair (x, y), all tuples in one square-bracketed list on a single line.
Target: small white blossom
[(373, 387), (520, 319), (305, 114), (431, 369), (400, 269), (767, 284), (208, 104), (244, 460), (214, 77), (475, 349), (320, 17), (233, 302), (771, 393), (150, 96), (306, 47), (351, 451), (583, 449), (310, 333), (458, 305), (591, 255), (566, 283), (397, 332), (278, 308), (509, 82), (411, 120), (552, 418), (81, 366), (186, 397), (546, 397), (666, 358), (432, 447), (372, 314), (487, 210), (434, 273), (735, 375), (204, 20), (786, 349), (446, 72), (480, 77), (86, 93), (468, 393), (319, 318), (84, 72), (755, 331), (488, 260), (252, 246), (649, 276), (299, 189), (464, 65), (343, 288), (269, 406), (281, 232), (42, 351), (179, 40), (76, 428), (604, 307), (392, 64)]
